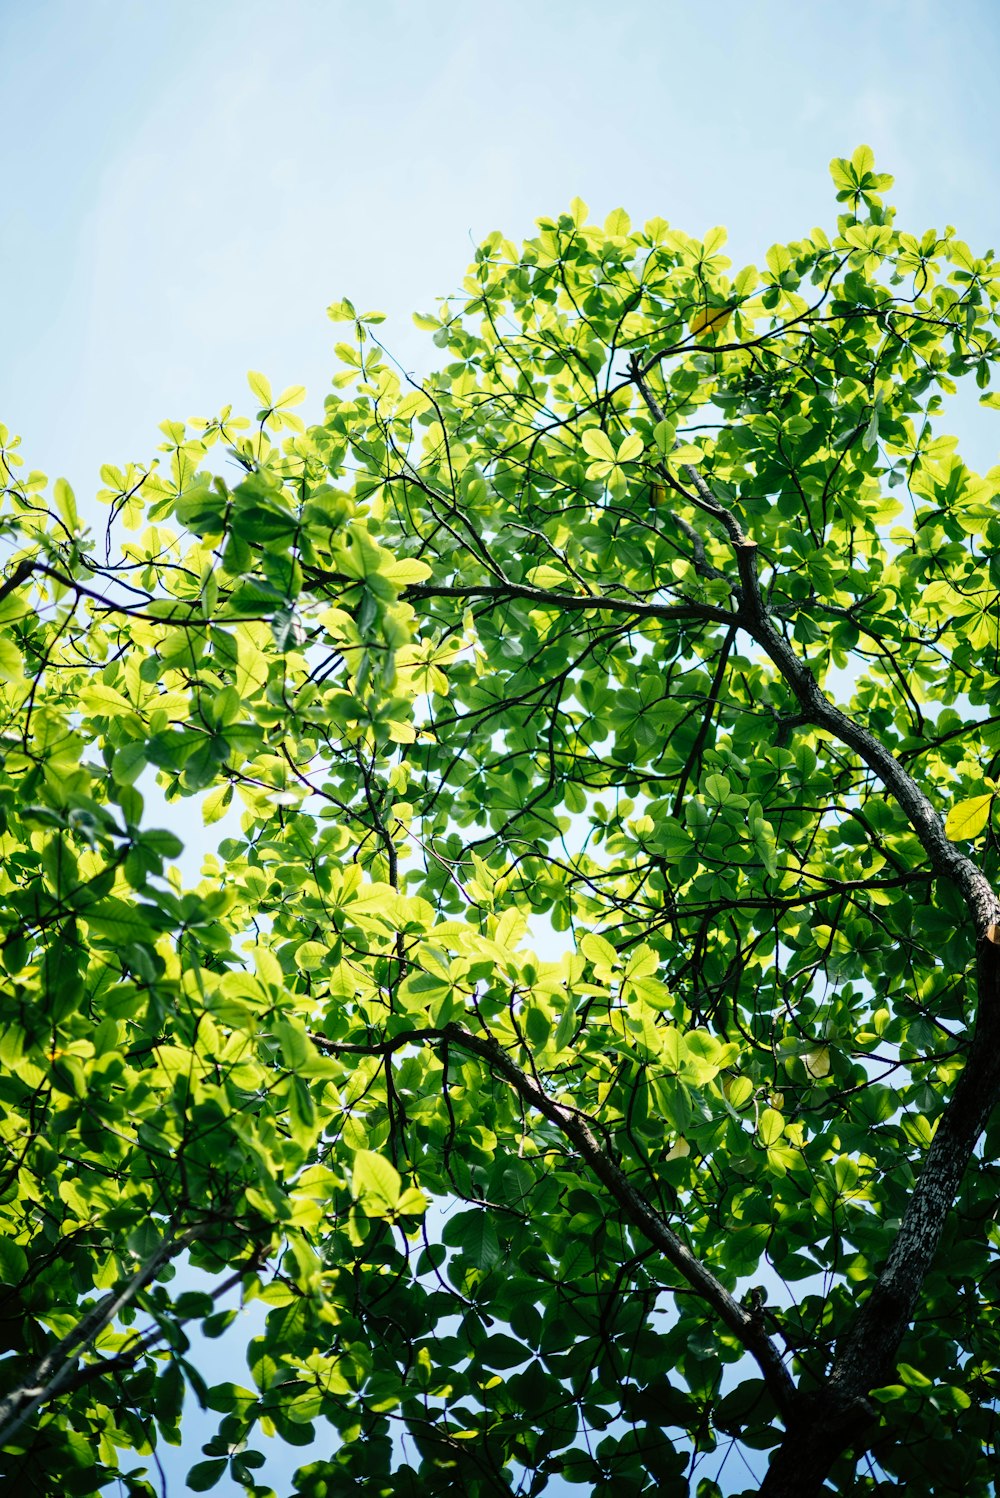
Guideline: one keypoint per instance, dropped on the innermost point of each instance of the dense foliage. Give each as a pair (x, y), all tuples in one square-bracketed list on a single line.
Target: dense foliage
[(575, 1040)]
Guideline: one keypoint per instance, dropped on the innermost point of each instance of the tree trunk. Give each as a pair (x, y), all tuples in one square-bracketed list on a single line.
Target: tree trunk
[(821, 1432), (833, 1419)]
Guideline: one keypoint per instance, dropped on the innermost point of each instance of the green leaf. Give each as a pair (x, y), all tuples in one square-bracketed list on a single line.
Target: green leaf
[(375, 1183), (286, 629), (13, 1262), (966, 819), (260, 387), (478, 1240), (598, 444), (205, 1475), (665, 436), (295, 1048), (122, 921), (912, 1378), (717, 788)]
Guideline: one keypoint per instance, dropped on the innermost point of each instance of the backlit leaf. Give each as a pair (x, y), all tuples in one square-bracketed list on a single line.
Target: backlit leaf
[(966, 819)]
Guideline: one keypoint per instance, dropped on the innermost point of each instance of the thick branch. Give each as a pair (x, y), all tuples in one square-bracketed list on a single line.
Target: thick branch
[(544, 598), (21, 573), (577, 1129), (55, 1370), (945, 859), (837, 1417)]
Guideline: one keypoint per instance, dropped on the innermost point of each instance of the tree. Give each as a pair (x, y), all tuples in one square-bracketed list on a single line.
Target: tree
[(657, 631)]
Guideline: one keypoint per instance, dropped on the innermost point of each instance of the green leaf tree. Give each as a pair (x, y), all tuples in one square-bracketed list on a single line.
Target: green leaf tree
[(585, 1040)]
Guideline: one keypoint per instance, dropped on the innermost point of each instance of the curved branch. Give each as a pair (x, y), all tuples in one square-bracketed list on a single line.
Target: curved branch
[(822, 1423), (55, 1370), (578, 1130), (831, 1420), (544, 598), (945, 859)]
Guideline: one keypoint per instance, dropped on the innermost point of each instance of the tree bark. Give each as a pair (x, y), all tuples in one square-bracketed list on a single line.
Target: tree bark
[(824, 1422), (835, 1418), (56, 1368)]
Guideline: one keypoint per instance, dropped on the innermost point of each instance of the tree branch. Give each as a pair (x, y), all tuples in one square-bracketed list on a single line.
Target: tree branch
[(819, 1424), (830, 1421), (55, 1370), (21, 573), (577, 1129), (543, 598)]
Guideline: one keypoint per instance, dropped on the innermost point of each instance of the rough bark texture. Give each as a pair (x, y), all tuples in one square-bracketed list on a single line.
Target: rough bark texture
[(835, 1418), (834, 1421), (825, 1422), (579, 1132), (55, 1370)]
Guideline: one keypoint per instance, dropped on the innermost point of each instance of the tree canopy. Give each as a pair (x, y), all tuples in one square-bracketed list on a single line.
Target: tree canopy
[(585, 1038)]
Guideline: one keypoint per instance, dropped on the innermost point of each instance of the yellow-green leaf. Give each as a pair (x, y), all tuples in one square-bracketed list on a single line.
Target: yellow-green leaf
[(252, 666), (630, 449), (863, 160), (66, 503), (216, 803), (260, 387), (739, 1091), (598, 950), (968, 818), (709, 320), (11, 661), (546, 577), (617, 223), (310, 955), (293, 395), (104, 701), (817, 1061), (407, 570), (342, 311), (598, 444), (376, 1183)]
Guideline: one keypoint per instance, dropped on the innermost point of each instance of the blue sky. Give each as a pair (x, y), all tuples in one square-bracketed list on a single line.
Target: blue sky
[(193, 183)]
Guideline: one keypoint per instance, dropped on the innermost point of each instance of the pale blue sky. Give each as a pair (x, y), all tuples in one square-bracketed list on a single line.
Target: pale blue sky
[(188, 183), (194, 182)]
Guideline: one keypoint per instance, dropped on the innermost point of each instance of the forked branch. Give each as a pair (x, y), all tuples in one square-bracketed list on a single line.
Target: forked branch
[(579, 1132)]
